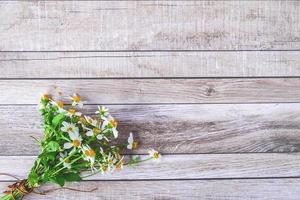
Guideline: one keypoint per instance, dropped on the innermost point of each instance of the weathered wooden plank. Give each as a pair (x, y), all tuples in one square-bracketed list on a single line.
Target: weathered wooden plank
[(276, 189), (186, 166), (213, 128), (149, 25), (149, 64), (119, 91)]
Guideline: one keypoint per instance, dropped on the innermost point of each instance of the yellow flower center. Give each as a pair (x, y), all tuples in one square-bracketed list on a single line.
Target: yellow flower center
[(69, 129), (90, 153), (72, 111), (46, 96), (104, 168), (135, 145), (76, 143), (66, 160), (76, 98), (87, 152), (96, 131), (155, 155), (119, 165), (114, 123), (110, 162), (60, 104)]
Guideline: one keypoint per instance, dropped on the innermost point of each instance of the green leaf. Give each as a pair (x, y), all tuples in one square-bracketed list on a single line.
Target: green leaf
[(57, 119), (52, 146), (72, 177), (33, 179), (59, 179), (48, 156)]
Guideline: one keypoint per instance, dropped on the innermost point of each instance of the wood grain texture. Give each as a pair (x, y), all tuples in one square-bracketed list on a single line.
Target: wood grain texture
[(120, 91), (186, 166), (149, 25), (149, 64), (262, 189), (213, 128)]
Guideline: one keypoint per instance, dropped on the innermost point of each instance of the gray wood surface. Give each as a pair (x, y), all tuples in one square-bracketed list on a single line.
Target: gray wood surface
[(149, 64), (213, 128), (264, 189), (120, 91), (187, 166), (149, 25), (213, 85)]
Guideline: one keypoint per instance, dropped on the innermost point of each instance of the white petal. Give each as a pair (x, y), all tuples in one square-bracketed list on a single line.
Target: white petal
[(67, 145), (64, 129), (99, 137), (64, 123), (129, 146), (89, 133), (130, 138), (73, 135), (115, 132), (78, 114), (76, 129), (80, 104), (106, 138)]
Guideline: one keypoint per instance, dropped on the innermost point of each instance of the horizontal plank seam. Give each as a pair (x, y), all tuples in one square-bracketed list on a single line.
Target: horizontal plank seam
[(184, 179), (176, 154), (159, 78), (142, 0), (206, 103), (162, 50)]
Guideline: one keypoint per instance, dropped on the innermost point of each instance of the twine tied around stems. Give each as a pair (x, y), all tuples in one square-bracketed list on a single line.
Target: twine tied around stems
[(24, 189)]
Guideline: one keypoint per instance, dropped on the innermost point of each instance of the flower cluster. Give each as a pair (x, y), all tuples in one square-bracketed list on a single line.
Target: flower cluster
[(77, 145)]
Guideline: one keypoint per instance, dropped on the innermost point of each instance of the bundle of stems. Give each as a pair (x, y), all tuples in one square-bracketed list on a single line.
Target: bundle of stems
[(75, 146)]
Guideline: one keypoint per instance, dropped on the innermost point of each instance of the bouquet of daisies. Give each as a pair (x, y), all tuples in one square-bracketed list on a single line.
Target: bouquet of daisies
[(74, 143)]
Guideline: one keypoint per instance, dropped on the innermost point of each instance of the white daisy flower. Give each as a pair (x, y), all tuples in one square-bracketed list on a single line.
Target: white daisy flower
[(120, 164), (76, 100), (89, 154), (72, 112), (130, 141), (91, 121), (111, 160), (95, 132), (115, 132), (69, 128), (103, 168), (65, 160), (102, 111), (154, 154), (76, 140), (110, 125), (59, 105)]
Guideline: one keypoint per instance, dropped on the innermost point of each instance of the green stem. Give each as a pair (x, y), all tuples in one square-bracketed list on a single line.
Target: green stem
[(55, 172), (69, 156), (134, 162)]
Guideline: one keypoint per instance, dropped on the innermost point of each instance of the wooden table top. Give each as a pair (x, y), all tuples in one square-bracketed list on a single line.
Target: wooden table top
[(212, 85)]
